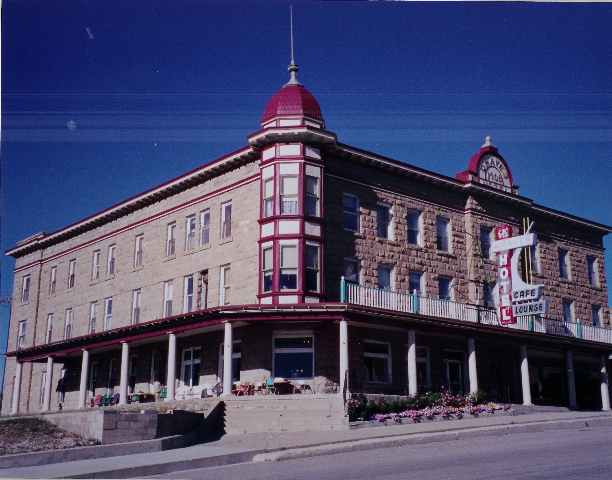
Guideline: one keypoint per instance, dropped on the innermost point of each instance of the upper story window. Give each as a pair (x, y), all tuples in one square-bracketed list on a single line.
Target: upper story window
[(21, 334), (442, 234), (168, 294), (108, 313), (385, 277), (487, 288), (224, 285), (413, 234), (267, 268), (564, 264), (351, 269), (592, 271), (111, 263), (596, 315), (288, 266), (568, 310), (444, 288), (49, 333), (312, 267), (384, 224), (93, 310), (311, 205), (52, 280), (415, 282), (205, 227), (190, 232), (25, 288), (95, 265), (171, 240), (226, 220), (188, 290), (268, 197), (71, 273), (289, 194), (350, 212), (138, 250), (136, 296), (68, 323), (485, 241)]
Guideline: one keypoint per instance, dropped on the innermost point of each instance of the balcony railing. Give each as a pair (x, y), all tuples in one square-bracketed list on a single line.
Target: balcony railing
[(355, 294)]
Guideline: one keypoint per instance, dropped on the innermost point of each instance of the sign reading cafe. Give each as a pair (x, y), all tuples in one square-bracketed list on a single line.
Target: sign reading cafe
[(514, 298)]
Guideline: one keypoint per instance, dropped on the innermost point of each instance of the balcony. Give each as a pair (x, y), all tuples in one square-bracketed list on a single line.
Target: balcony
[(355, 294)]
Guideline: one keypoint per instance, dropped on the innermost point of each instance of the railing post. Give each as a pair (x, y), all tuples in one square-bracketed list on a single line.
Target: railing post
[(578, 329), (416, 303), (342, 289), (531, 324)]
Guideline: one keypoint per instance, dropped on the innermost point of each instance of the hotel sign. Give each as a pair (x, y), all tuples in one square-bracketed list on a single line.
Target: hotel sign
[(514, 298)]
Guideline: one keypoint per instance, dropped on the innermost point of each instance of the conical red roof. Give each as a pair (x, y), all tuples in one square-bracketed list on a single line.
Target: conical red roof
[(292, 99)]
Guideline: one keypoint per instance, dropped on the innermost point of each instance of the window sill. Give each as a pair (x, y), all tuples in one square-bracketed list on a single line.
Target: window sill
[(169, 258), (444, 253), (225, 240), (137, 268), (196, 250)]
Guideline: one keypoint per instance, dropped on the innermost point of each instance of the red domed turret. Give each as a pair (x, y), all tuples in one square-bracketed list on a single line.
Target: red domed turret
[(292, 100)]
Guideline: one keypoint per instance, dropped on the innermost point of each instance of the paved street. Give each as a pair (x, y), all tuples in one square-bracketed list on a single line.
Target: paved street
[(563, 454)]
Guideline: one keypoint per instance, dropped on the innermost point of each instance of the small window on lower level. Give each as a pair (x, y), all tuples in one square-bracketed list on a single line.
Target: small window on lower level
[(377, 360), (294, 356)]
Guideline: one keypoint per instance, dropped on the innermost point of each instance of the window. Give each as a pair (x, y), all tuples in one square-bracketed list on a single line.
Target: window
[(168, 294), (288, 266), (190, 232), (289, 194), (453, 365), (68, 323), (52, 280), (110, 264), (267, 273), (204, 227), (188, 289), (138, 250), (108, 313), (423, 369), (136, 295), (226, 221), (171, 240), (485, 241), (564, 268), (350, 212), (95, 265), (268, 197), (25, 288), (71, 273), (351, 270), (49, 334), (43, 383), (202, 290), (21, 333), (224, 285), (236, 360), (93, 308), (442, 234), (413, 221), (535, 258), (383, 222), (487, 288), (384, 277), (444, 288), (293, 356), (311, 267), (190, 367), (596, 315), (415, 282), (311, 206), (377, 359), (568, 310), (592, 271)]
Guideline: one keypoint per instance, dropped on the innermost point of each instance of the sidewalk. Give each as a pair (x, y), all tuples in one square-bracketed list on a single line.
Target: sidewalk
[(278, 446)]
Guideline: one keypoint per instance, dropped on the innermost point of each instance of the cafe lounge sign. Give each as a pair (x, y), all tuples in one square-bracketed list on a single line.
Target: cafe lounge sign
[(514, 298)]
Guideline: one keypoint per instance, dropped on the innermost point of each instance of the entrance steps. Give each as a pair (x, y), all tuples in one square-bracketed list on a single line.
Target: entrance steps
[(287, 413)]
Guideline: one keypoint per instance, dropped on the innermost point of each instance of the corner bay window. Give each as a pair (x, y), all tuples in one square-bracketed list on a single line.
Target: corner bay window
[(268, 197), (190, 366), (267, 268), (311, 267), (288, 266), (311, 206), (377, 360), (289, 194), (293, 356)]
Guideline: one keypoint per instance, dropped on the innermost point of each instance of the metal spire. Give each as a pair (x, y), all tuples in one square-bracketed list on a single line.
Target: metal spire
[(293, 68)]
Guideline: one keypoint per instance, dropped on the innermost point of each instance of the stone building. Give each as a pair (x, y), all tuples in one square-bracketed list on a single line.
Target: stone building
[(304, 258)]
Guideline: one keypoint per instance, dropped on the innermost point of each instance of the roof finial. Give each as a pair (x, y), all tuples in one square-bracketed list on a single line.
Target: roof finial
[(293, 68), (488, 142)]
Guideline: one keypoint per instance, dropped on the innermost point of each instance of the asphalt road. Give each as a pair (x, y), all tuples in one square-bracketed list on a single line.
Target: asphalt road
[(560, 455)]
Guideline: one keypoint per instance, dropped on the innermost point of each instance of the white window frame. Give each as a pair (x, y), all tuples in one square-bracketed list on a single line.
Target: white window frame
[(235, 355), (226, 225), (21, 333), (390, 224), (354, 213), (71, 273), (391, 268), (294, 334), (283, 244), (139, 250), (93, 310), (171, 239), (205, 227), (594, 267), (168, 298), (225, 288), (267, 269), (293, 198), (566, 273), (95, 265), (52, 280), (447, 230), (111, 262), (108, 313), (188, 363), (187, 297), (386, 356), (136, 310), (268, 197), (26, 283), (49, 331), (68, 322), (308, 268), (43, 384), (419, 231), (451, 289), (190, 232)]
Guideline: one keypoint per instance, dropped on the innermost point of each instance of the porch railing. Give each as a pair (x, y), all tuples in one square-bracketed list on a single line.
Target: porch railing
[(356, 294)]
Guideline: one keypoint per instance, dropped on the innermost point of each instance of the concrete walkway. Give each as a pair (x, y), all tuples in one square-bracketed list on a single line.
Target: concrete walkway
[(277, 446)]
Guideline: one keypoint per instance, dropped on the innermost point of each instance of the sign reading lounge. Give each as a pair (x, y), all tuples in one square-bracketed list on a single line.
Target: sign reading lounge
[(513, 297)]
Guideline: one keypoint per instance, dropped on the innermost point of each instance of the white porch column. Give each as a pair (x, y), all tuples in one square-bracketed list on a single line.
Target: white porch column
[(171, 376), (472, 369), (605, 392), (84, 375), (525, 383), (227, 359), (16, 389), (571, 379), (123, 379), (412, 366), (47, 392), (344, 357)]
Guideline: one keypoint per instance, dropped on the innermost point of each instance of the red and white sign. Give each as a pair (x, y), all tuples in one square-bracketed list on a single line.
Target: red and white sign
[(504, 277)]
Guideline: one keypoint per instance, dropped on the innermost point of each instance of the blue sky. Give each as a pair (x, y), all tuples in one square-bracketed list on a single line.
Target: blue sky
[(101, 100)]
